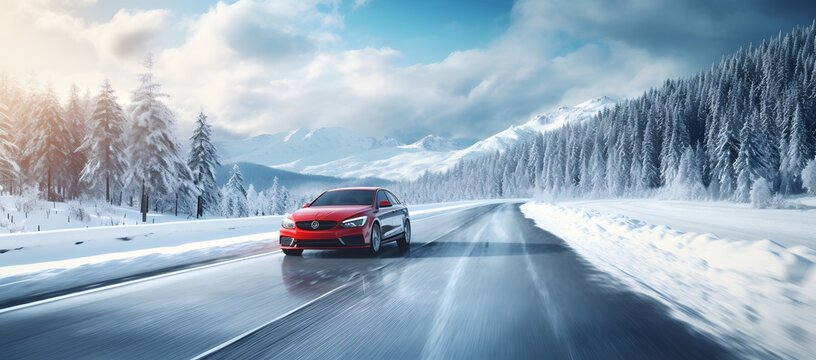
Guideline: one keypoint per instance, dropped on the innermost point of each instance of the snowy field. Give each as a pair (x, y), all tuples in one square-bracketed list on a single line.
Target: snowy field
[(789, 227), (40, 262), (30, 215), (758, 296)]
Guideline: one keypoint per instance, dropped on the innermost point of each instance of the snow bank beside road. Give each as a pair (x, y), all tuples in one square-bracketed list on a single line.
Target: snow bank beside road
[(789, 227), (52, 261), (756, 296)]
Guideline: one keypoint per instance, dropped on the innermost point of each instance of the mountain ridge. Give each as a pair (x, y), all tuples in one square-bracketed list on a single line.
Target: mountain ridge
[(341, 152)]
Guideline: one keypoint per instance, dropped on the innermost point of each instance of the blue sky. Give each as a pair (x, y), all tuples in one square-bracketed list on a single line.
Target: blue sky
[(423, 30), (427, 31), (389, 68)]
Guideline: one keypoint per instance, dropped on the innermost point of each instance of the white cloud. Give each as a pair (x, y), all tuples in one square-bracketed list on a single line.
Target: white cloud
[(470, 93), (128, 35), (267, 66), (359, 3)]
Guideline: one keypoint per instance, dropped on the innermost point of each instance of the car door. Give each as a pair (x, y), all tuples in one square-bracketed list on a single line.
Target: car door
[(386, 215), (400, 210)]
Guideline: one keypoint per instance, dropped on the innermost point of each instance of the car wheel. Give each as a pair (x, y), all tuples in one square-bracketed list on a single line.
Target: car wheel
[(293, 252), (405, 240), (376, 240)]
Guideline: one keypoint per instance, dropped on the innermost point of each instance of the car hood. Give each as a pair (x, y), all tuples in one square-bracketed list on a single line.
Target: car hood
[(330, 213)]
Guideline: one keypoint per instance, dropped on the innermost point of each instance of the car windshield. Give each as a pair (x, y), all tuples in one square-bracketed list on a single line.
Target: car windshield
[(345, 197)]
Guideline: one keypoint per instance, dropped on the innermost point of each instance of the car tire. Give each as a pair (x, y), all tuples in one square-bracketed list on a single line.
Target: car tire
[(376, 240), (293, 252), (404, 241)]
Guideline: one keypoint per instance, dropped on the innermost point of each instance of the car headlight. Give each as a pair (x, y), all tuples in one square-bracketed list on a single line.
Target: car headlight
[(354, 222), (288, 223)]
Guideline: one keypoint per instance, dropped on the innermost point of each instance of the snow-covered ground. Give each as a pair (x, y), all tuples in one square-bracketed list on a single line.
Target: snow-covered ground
[(43, 215), (758, 296), (46, 261), (789, 227)]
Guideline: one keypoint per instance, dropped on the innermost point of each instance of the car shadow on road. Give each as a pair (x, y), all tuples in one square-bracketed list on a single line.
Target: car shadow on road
[(479, 249), (439, 249)]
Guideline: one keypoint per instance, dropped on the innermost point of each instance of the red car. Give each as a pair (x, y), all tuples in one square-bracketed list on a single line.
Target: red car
[(360, 217)]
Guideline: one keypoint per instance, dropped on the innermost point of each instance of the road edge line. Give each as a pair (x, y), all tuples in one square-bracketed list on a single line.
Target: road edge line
[(130, 282), (270, 322)]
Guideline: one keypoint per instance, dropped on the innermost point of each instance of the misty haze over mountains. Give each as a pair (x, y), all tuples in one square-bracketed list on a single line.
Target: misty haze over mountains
[(343, 152)]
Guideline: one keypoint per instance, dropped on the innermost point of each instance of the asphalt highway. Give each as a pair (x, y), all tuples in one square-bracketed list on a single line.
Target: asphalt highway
[(479, 283)]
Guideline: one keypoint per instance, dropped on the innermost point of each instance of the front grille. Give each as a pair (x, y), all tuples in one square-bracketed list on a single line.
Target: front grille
[(322, 225), (353, 240), (318, 243)]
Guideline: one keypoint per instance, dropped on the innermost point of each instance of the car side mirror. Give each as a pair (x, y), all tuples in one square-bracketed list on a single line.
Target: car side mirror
[(307, 205), (385, 203)]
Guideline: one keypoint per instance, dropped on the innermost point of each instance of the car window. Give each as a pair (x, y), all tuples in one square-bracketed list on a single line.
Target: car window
[(393, 198), (382, 197), (344, 197)]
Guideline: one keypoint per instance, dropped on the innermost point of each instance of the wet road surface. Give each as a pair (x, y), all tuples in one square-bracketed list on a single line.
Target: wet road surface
[(480, 283)]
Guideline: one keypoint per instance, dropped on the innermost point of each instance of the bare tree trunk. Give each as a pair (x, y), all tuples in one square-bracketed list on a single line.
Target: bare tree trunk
[(143, 203), (199, 207), (107, 189)]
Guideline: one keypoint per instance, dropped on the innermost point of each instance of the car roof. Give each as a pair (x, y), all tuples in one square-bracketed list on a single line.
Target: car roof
[(372, 188)]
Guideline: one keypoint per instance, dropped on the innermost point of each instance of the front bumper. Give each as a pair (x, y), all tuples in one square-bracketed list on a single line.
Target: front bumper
[(324, 239)]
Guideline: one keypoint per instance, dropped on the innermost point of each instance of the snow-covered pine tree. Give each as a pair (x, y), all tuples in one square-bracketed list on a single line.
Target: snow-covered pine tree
[(797, 153), (76, 119), (234, 195), (750, 163), (104, 144), (726, 153), (50, 145), (650, 171), (202, 160), (24, 114), (154, 154), (272, 197), (688, 181), (252, 201), (809, 176), (187, 192), (535, 159), (597, 168), (9, 169), (284, 201)]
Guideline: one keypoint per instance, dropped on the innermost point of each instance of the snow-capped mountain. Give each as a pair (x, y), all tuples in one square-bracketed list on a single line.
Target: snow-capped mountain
[(543, 123), (297, 149), (436, 143), (344, 153)]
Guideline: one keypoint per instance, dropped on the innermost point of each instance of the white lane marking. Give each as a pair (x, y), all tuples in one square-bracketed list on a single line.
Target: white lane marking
[(131, 282), (258, 328)]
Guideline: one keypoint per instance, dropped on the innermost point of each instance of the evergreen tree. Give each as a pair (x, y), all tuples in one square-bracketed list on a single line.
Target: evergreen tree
[(650, 171), (202, 161), (809, 176), (154, 154), (726, 153), (9, 169), (252, 201), (797, 152), (234, 196), (50, 145), (104, 143), (76, 119), (750, 163)]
